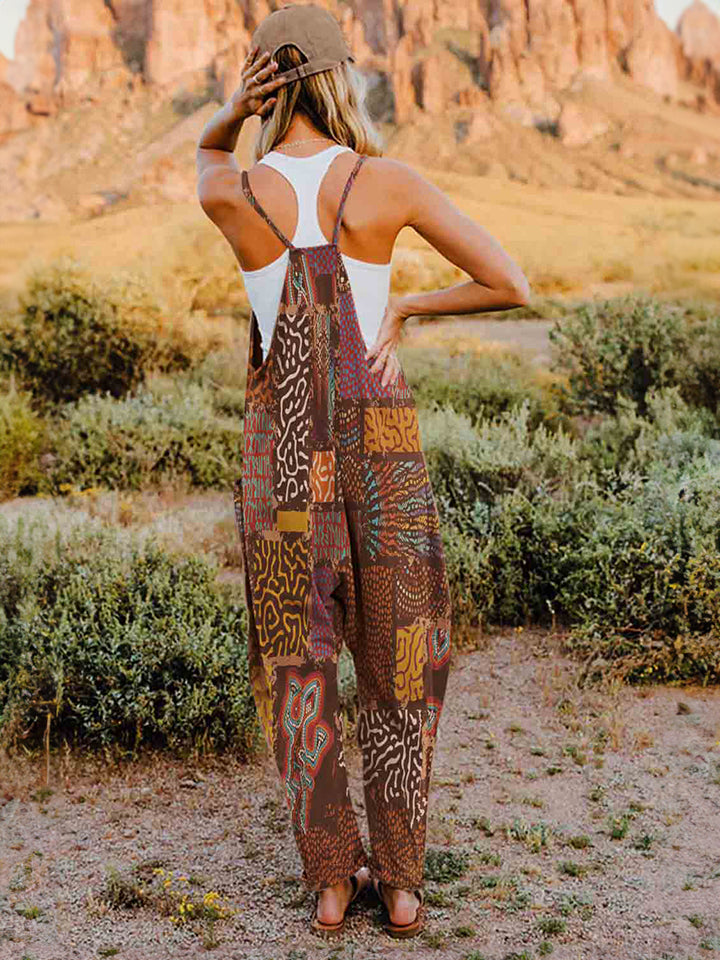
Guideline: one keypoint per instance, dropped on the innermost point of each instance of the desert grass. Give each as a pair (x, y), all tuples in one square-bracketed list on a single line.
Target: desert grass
[(569, 242), (180, 521)]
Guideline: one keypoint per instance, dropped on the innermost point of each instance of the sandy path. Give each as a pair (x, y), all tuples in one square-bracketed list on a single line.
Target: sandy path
[(622, 751)]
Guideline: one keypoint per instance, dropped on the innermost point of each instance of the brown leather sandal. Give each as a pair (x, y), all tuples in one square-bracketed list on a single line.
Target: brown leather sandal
[(402, 931), (330, 930)]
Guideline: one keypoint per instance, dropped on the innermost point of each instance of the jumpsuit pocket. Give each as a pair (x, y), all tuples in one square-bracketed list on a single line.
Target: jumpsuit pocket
[(402, 392)]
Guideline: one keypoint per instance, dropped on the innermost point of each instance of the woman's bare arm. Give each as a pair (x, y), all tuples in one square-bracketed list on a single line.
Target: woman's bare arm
[(217, 169), (498, 282)]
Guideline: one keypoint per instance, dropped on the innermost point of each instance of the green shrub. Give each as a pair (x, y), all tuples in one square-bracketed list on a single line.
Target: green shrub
[(627, 346), (635, 573), (449, 442), (509, 525), (76, 334), (119, 645), (469, 579), (221, 372), (700, 382), (611, 532), (144, 440), (524, 551), (645, 592), (480, 387), (21, 436), (469, 463), (671, 436)]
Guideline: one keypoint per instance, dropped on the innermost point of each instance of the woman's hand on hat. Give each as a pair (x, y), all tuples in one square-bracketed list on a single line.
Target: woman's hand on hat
[(253, 95)]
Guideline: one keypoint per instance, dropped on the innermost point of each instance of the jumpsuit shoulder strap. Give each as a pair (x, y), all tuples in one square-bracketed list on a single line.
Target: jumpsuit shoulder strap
[(346, 191), (254, 202)]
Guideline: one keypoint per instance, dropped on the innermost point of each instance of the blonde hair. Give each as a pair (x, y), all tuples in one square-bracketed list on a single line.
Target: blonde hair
[(333, 101)]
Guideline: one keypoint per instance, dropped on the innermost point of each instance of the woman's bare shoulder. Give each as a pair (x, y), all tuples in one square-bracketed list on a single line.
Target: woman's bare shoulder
[(398, 182), (397, 171), (404, 190)]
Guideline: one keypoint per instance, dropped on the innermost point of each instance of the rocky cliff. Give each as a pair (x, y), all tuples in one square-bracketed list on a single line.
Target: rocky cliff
[(104, 100), (699, 33), (422, 55)]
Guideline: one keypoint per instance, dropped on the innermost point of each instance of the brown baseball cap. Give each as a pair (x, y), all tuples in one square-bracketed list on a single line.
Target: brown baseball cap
[(314, 31)]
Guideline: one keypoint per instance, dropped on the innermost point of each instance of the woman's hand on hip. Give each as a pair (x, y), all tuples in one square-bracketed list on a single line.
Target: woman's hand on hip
[(253, 95), (389, 336)]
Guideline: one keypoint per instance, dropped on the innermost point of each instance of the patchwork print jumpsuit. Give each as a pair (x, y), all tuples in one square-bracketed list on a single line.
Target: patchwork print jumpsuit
[(340, 543)]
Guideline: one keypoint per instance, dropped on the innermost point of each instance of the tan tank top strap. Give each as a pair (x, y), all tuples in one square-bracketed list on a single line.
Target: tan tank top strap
[(346, 191), (254, 202)]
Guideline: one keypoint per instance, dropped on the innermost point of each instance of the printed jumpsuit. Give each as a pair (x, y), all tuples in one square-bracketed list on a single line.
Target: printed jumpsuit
[(340, 542)]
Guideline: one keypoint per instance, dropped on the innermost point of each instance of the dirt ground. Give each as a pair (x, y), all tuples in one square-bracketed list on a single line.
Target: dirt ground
[(533, 776)]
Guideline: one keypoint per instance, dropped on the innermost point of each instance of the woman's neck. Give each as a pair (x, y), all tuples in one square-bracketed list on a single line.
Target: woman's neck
[(301, 137)]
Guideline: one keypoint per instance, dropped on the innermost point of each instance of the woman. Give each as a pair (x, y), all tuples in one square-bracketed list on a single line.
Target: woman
[(337, 521)]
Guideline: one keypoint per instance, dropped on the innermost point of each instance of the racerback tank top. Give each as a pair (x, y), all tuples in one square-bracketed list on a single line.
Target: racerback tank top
[(370, 282)]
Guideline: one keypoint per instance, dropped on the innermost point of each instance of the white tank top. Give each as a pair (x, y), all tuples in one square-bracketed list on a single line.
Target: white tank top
[(369, 282)]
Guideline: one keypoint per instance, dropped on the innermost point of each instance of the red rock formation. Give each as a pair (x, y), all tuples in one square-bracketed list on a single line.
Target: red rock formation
[(13, 115), (131, 30), (34, 65), (432, 54), (699, 32), (653, 58), (12, 110), (186, 36), (62, 46)]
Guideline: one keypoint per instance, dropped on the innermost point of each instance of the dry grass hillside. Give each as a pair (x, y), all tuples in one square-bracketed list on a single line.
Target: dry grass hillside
[(637, 207)]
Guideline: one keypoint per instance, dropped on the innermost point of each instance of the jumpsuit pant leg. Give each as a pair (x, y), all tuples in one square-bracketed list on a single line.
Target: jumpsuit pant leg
[(399, 634), (294, 638)]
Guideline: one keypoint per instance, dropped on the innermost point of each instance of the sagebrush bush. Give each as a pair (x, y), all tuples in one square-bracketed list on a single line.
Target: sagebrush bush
[(499, 489), (469, 579), (635, 575), (21, 438), (606, 525), (480, 386), (145, 440), (469, 463), (119, 645), (508, 558), (644, 594), (535, 531), (77, 334), (700, 381), (671, 436), (627, 346), (222, 373)]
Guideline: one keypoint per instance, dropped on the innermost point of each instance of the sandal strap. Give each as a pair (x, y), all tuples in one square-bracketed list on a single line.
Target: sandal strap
[(355, 887)]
